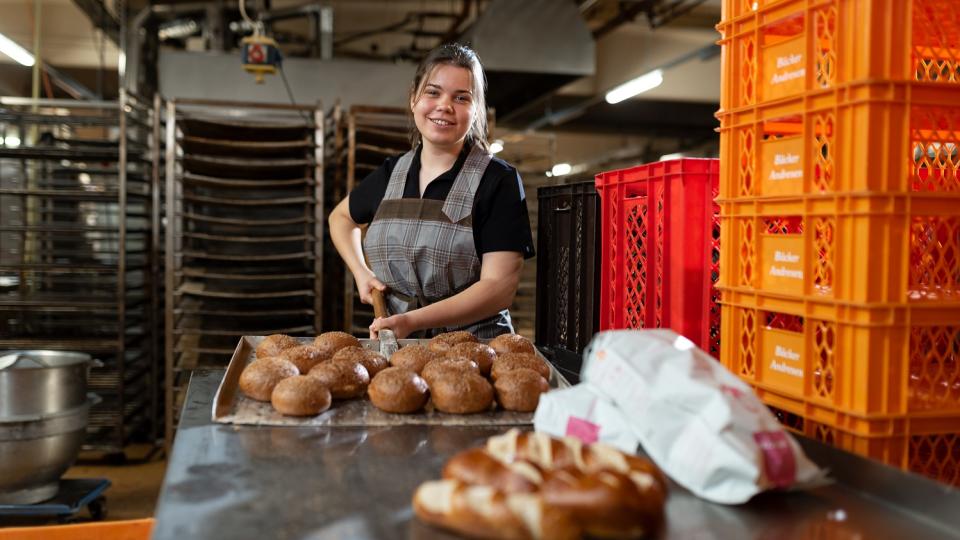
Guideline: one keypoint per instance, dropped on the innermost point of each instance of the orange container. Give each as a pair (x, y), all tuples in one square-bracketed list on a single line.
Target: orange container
[(868, 250), (925, 445), (875, 363), (860, 138), (134, 529), (776, 49)]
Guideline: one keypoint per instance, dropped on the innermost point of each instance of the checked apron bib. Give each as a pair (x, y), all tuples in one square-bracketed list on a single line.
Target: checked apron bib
[(423, 249)]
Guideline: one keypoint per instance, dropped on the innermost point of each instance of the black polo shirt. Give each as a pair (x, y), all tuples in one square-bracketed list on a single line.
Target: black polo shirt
[(500, 220)]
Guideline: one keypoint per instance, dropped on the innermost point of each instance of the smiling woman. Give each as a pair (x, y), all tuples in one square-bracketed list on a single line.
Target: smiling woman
[(448, 226)]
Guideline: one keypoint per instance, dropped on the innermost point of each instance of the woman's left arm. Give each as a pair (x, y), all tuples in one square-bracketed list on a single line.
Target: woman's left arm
[(494, 292)]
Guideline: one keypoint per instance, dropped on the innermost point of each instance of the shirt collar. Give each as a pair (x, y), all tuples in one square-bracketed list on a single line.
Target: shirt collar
[(451, 174)]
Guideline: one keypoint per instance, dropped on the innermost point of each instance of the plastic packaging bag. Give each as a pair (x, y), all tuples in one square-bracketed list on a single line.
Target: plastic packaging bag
[(700, 423), (582, 412)]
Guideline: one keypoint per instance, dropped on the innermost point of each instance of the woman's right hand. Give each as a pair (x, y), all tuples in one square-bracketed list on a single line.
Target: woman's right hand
[(366, 282)]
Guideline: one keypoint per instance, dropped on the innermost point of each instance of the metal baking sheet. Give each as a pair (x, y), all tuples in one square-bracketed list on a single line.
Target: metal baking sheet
[(230, 406)]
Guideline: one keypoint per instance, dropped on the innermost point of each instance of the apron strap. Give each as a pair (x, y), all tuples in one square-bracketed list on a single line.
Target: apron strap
[(398, 178), (459, 203)]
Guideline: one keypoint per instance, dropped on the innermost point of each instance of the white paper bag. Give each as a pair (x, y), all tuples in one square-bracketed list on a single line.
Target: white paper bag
[(700, 423), (581, 411)]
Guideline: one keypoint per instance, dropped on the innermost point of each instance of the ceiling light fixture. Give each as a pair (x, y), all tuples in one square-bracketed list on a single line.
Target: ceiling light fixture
[(561, 169), (496, 146), (635, 87), (15, 51)]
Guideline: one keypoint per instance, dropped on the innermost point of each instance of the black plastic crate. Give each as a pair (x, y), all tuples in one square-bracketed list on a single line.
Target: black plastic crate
[(568, 271)]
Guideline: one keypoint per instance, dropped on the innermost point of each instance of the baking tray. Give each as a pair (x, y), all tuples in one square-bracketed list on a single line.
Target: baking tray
[(230, 406)]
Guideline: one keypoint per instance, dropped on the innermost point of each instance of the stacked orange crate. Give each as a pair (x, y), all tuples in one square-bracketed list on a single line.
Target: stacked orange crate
[(840, 220)]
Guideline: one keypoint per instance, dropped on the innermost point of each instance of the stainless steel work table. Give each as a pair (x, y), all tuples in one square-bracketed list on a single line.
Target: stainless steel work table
[(239, 482)]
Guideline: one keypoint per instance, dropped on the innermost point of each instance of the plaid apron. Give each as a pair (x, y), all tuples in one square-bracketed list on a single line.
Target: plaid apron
[(423, 249)]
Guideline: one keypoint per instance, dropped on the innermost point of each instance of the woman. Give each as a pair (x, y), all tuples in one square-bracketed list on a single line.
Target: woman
[(448, 226)]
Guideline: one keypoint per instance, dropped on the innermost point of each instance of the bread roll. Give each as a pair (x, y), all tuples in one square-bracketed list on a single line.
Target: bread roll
[(334, 341), (260, 377), (510, 361), (346, 379), (441, 343), (461, 393), (446, 365), (507, 343), (519, 389), (482, 354), (372, 360), (274, 344), (305, 356), (413, 357), (398, 390), (300, 395)]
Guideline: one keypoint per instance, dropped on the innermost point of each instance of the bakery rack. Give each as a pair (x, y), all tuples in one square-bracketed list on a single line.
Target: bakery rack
[(77, 193), (359, 140), (244, 212)]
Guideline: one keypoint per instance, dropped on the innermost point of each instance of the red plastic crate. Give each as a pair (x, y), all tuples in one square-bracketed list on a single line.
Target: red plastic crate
[(779, 49), (925, 445), (660, 249)]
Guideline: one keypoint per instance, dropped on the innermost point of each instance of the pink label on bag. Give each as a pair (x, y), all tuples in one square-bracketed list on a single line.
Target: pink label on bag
[(582, 429), (778, 461)]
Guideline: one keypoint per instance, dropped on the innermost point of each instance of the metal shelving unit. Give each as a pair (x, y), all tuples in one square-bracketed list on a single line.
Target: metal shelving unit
[(358, 141), (76, 246), (242, 248)]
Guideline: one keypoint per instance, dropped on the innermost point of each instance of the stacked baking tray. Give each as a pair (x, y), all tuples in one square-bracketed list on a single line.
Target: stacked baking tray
[(359, 142), (244, 200), (75, 245)]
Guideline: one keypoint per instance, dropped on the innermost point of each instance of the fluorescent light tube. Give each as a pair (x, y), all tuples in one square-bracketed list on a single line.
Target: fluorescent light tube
[(561, 169), (636, 86), (18, 53)]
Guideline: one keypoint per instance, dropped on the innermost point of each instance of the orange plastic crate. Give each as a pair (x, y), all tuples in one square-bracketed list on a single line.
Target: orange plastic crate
[(776, 49), (134, 529), (925, 445), (876, 363), (867, 250), (861, 138)]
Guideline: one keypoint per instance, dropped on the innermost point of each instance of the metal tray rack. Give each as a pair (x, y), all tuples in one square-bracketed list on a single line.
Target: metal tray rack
[(358, 142), (244, 210), (76, 272)]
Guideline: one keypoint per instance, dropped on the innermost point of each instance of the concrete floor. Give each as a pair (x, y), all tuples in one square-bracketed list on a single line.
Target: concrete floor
[(135, 485)]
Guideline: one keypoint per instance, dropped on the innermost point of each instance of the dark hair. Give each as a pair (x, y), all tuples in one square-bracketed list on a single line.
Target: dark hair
[(459, 55)]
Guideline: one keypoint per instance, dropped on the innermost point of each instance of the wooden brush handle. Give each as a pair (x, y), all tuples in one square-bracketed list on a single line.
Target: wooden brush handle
[(379, 304)]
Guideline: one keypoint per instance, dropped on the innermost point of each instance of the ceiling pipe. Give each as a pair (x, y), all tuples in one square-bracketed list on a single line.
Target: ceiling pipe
[(101, 18)]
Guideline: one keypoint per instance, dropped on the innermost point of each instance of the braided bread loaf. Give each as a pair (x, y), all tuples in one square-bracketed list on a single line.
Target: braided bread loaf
[(518, 485)]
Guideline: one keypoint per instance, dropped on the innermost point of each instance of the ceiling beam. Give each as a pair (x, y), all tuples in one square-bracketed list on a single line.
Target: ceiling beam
[(101, 18)]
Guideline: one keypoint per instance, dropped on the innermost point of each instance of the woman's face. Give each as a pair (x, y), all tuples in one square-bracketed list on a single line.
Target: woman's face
[(445, 110)]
